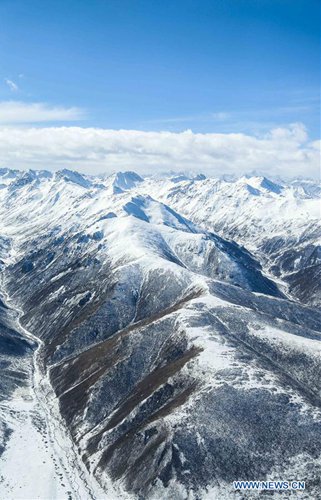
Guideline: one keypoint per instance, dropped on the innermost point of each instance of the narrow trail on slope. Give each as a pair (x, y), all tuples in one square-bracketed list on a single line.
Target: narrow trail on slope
[(39, 461)]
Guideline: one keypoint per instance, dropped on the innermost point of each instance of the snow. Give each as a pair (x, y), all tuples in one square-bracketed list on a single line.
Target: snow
[(29, 469), (126, 180), (311, 347), (39, 460), (135, 220), (74, 177), (271, 207)]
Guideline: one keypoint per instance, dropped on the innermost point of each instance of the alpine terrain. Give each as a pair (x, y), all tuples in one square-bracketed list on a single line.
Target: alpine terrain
[(159, 336)]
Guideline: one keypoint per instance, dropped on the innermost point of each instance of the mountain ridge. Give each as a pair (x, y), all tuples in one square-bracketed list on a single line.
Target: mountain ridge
[(177, 364)]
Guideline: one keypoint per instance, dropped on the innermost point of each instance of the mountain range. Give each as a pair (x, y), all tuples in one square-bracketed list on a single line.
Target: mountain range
[(165, 328)]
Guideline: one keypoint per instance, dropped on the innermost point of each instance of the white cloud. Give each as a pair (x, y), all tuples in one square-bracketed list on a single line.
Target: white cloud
[(283, 151), (12, 85), (13, 112), (203, 117), (222, 115)]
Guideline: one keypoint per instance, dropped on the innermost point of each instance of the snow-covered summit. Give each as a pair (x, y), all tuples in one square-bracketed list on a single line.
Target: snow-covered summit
[(277, 221), (126, 180), (73, 176)]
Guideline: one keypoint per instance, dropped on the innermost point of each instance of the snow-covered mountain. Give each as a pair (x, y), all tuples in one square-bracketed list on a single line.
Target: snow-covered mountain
[(278, 222), (164, 324)]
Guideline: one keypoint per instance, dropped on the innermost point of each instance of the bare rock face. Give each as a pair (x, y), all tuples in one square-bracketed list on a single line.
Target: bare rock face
[(178, 365)]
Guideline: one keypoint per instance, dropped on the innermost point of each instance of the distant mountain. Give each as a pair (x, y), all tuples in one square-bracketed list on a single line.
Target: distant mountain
[(278, 223), (75, 177), (174, 335), (126, 180)]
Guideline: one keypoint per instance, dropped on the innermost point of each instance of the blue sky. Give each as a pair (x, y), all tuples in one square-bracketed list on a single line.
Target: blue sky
[(75, 72), (212, 66)]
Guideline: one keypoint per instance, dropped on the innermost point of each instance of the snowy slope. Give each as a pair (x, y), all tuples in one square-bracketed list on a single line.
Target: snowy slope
[(278, 222), (176, 364)]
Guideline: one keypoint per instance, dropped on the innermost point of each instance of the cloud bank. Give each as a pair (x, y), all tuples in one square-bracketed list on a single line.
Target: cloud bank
[(286, 151)]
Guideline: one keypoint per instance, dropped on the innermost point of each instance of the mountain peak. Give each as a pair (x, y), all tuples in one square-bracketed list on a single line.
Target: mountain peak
[(261, 182), (74, 177), (126, 180)]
